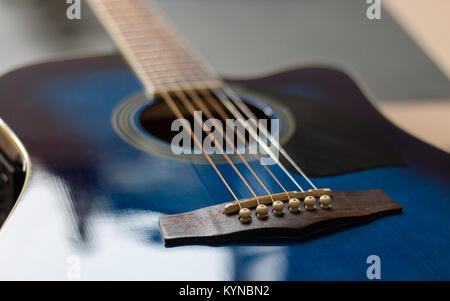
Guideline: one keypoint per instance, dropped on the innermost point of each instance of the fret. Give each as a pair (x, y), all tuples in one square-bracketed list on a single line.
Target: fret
[(133, 21), (139, 35), (154, 50), (164, 74), (153, 33), (177, 86), (177, 77), (139, 29), (124, 15), (136, 24), (174, 64), (141, 20), (173, 83), (123, 20), (185, 66), (158, 56), (150, 41), (160, 52), (140, 44), (180, 80), (159, 47), (180, 68), (165, 56)]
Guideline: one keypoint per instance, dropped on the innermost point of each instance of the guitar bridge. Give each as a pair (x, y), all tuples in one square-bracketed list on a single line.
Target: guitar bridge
[(218, 224), (294, 197)]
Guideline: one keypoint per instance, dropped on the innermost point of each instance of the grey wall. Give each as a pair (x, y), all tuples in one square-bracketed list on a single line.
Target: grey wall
[(245, 38)]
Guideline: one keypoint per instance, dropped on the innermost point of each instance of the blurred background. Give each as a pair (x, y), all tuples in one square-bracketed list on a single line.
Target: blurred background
[(401, 60)]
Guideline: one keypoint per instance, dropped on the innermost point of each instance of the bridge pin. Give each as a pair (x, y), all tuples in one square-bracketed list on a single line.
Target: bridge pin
[(278, 207), (261, 211), (245, 215), (294, 205), (325, 201), (310, 203)]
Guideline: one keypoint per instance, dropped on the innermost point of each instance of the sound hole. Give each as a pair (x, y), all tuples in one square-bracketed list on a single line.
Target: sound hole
[(157, 118)]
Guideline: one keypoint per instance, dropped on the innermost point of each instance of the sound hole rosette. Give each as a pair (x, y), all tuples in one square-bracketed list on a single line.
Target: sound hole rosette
[(125, 120)]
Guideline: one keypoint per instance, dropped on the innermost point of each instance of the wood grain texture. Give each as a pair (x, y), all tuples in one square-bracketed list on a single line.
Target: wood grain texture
[(210, 226)]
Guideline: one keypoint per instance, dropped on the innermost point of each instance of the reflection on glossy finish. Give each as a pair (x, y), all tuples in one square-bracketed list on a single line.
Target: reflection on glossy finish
[(15, 168), (110, 246), (96, 197)]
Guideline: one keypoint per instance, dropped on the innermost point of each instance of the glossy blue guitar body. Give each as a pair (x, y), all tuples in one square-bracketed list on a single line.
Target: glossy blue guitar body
[(92, 201)]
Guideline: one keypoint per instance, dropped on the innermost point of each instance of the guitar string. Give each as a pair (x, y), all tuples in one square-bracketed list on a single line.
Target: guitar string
[(177, 38), (247, 112), (253, 172), (197, 100), (244, 108), (171, 103), (190, 108), (229, 105), (200, 104), (204, 109), (188, 105), (164, 94), (215, 104), (175, 35)]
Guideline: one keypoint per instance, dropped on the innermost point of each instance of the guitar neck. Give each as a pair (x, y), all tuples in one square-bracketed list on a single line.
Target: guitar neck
[(158, 56)]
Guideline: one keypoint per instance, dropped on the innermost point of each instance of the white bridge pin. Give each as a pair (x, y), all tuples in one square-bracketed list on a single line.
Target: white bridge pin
[(294, 205), (325, 202), (310, 203), (245, 215), (278, 207), (261, 211)]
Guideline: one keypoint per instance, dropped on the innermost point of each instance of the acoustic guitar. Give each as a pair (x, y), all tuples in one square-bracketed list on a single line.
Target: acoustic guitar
[(94, 187)]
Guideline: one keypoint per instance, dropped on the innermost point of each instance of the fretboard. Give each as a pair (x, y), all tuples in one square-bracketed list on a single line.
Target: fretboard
[(156, 53)]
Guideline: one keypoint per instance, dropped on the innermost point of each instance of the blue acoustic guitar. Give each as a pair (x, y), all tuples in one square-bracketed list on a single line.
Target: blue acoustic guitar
[(94, 187)]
